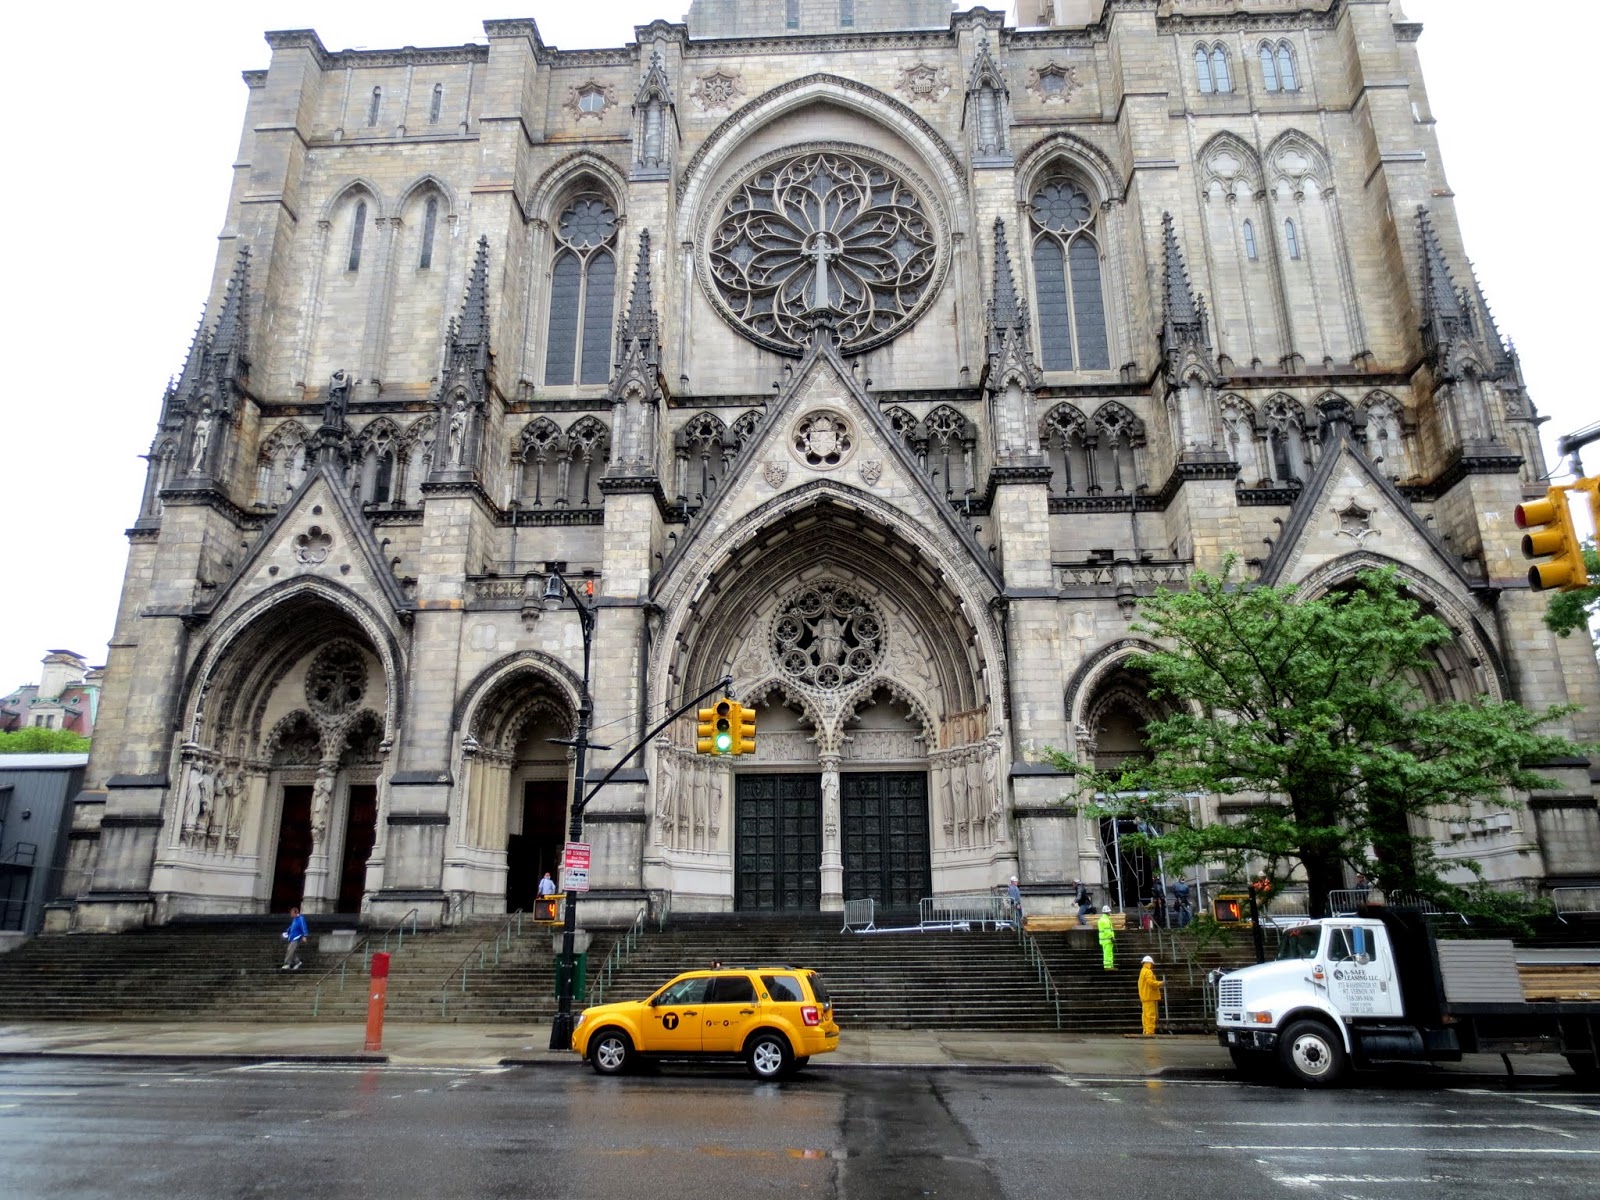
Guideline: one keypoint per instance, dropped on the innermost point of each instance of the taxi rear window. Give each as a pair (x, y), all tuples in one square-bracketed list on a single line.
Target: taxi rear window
[(783, 988), (819, 990)]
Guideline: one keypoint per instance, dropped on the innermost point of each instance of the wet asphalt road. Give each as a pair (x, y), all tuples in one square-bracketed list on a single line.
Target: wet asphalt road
[(130, 1130)]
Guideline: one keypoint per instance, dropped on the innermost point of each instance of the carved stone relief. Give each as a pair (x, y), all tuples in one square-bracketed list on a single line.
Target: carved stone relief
[(923, 83), (823, 440), (717, 90)]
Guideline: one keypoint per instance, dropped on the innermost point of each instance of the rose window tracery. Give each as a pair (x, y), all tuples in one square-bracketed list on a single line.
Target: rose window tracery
[(823, 440), (823, 232), (336, 680), (828, 637)]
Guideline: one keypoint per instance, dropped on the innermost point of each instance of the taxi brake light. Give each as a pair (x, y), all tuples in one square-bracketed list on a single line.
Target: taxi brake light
[(810, 1015)]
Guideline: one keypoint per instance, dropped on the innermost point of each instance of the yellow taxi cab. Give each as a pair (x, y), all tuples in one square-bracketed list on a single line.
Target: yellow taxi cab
[(774, 1018)]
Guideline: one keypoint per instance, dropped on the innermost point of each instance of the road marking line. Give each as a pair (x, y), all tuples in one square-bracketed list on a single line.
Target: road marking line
[(1369, 1149), (1383, 1125), (30, 1093)]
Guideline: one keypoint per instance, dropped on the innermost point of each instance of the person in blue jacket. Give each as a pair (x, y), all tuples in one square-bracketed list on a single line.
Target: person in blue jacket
[(294, 935)]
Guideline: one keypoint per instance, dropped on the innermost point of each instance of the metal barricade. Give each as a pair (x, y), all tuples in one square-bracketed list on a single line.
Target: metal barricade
[(983, 909), (858, 916), (1575, 902)]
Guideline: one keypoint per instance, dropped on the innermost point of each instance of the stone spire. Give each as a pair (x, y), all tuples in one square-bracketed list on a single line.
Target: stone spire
[(214, 378), (1183, 316), (1446, 318), (985, 114), (464, 387), (636, 391), (1010, 375)]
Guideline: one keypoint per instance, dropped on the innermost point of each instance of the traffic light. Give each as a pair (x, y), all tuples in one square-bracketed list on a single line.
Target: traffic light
[(547, 910), (1553, 538), (714, 729), (744, 730)]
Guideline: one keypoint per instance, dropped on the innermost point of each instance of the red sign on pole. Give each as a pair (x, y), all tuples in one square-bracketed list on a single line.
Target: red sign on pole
[(575, 867)]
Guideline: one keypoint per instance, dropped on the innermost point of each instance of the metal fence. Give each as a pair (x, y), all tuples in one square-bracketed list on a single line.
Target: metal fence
[(983, 909), (858, 916), (1575, 902)]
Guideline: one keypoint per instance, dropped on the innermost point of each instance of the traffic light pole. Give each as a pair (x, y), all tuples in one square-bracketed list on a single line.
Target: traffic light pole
[(561, 1026)]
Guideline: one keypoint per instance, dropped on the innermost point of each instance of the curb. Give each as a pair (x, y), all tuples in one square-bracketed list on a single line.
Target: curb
[(195, 1056)]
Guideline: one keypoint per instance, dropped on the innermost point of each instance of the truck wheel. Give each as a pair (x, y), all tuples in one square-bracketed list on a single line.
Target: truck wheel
[(1251, 1064), (1311, 1055), (610, 1053), (769, 1057)]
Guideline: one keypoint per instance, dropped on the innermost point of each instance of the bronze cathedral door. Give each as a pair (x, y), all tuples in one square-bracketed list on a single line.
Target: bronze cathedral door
[(778, 838), (885, 825)]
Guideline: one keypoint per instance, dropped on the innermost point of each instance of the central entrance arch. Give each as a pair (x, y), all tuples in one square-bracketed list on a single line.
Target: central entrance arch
[(880, 766)]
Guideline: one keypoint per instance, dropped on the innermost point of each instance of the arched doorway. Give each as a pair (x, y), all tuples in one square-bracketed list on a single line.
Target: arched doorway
[(1116, 718), (278, 788), (516, 769), (880, 767)]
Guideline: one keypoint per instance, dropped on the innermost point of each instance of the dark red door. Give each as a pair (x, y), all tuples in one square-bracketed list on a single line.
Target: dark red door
[(294, 848), (360, 831)]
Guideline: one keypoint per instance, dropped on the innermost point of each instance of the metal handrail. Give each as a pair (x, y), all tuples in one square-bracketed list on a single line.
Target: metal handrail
[(621, 950), (1035, 957), (1563, 909), (482, 950), (364, 949)]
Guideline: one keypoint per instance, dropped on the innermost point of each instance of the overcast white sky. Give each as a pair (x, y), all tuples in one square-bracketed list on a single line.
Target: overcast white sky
[(124, 119)]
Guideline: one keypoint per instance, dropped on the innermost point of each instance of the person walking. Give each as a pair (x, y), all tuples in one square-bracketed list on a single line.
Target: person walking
[(296, 934), (547, 886), (1014, 899), (1108, 939), (1149, 994), (1085, 902)]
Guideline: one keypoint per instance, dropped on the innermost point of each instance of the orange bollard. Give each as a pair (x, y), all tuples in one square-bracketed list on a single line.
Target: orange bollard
[(376, 998)]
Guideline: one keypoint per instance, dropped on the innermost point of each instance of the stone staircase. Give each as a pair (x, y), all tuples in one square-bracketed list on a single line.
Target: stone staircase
[(229, 971)]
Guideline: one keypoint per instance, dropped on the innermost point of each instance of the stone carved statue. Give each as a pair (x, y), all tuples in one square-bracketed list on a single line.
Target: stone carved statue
[(202, 440), (456, 436), (197, 804), (321, 803), (333, 409)]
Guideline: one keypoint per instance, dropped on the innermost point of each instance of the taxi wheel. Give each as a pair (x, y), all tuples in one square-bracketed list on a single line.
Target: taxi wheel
[(610, 1053), (768, 1056)]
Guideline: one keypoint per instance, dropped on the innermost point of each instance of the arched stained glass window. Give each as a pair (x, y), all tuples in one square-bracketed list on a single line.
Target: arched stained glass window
[(1250, 241), (582, 294), (1202, 69), (1291, 238), (435, 104), (1070, 300), (358, 230), (374, 106), (1269, 70), (430, 223), (1286, 72), (1220, 75)]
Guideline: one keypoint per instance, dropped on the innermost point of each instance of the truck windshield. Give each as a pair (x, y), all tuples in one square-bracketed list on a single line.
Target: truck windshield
[(1300, 943)]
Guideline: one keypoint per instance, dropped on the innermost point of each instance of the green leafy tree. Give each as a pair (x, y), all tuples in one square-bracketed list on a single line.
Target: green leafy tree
[(1314, 708), (1577, 608), (37, 740)]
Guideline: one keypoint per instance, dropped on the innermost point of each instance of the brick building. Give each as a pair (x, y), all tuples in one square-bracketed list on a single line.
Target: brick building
[(67, 696), (875, 354)]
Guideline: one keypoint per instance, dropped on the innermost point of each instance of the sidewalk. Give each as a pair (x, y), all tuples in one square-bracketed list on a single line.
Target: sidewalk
[(1191, 1056)]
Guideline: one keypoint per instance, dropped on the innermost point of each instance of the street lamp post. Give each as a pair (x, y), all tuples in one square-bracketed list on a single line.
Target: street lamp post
[(554, 587)]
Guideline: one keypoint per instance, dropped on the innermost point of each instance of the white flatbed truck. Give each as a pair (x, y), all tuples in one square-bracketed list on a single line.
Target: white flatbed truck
[(1352, 992)]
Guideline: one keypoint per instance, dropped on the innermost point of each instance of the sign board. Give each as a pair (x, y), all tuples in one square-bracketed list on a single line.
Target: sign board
[(575, 867)]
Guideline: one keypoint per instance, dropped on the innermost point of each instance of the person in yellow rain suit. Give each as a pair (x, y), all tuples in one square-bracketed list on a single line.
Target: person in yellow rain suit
[(1149, 994), (1108, 938)]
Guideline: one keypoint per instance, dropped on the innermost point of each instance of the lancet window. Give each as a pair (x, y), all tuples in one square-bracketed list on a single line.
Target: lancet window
[(1064, 437), (1278, 67), (1211, 69), (582, 293), (1288, 450), (1070, 299)]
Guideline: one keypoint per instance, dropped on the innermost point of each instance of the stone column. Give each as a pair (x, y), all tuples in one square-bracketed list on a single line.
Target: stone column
[(832, 859)]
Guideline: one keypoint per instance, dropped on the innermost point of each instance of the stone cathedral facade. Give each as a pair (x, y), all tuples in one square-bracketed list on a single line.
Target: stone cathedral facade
[(878, 355)]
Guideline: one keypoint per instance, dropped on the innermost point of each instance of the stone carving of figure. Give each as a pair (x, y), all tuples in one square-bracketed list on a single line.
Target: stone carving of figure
[(202, 440), (830, 809), (227, 786), (333, 408), (321, 802), (958, 797), (456, 438), (666, 780), (977, 797), (199, 800)]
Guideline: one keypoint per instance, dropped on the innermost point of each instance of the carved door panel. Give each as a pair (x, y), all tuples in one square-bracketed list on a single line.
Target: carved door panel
[(885, 828), (778, 847)]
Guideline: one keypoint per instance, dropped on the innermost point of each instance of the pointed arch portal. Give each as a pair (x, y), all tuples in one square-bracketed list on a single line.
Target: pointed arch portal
[(879, 771)]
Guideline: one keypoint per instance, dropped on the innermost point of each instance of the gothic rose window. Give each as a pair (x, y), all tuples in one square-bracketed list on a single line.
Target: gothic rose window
[(828, 637), (337, 679), (823, 232)]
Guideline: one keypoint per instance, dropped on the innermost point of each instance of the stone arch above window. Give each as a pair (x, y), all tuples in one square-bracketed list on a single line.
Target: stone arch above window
[(951, 441), (541, 450), (704, 450), (1279, 71), (376, 466), (1236, 422), (588, 442), (582, 296), (1212, 69), (1069, 291), (1289, 451), (1386, 436), (1118, 435), (281, 463), (1064, 437)]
